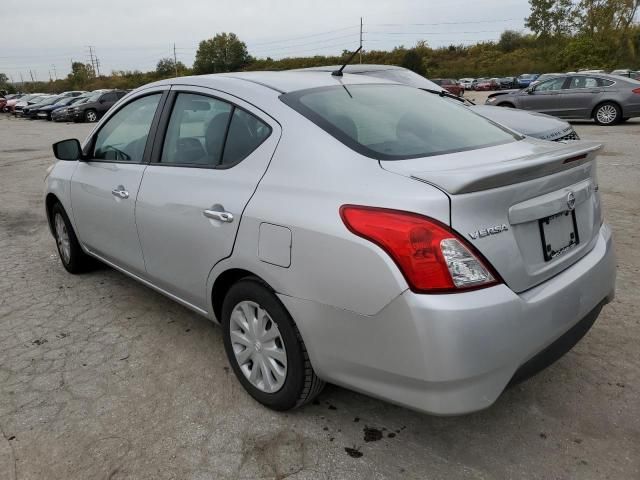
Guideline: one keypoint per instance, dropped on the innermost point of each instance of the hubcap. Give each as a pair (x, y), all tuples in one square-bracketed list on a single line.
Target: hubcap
[(62, 238), (91, 116), (258, 346), (607, 114)]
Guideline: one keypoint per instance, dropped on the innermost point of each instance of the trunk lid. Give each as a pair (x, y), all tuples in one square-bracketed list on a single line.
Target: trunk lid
[(530, 207)]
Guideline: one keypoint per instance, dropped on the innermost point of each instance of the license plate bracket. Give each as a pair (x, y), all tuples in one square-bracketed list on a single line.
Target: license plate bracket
[(559, 234)]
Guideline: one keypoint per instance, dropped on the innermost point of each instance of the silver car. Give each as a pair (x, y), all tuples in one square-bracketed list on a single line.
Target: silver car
[(608, 99), (532, 124), (343, 229)]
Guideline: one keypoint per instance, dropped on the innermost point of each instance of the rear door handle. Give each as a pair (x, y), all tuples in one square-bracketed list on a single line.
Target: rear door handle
[(120, 191), (222, 216)]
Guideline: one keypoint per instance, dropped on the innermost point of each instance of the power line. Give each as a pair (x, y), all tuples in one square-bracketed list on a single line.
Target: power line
[(443, 23), (304, 36), (316, 42)]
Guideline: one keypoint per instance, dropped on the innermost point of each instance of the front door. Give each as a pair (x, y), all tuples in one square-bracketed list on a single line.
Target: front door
[(543, 97), (104, 187), (202, 175)]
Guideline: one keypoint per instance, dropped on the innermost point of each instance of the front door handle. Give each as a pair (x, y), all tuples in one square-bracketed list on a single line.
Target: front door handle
[(216, 215), (120, 191)]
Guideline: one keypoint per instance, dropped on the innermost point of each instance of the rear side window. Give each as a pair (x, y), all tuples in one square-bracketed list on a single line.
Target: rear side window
[(207, 132), (394, 122), (246, 133), (605, 83), (196, 131)]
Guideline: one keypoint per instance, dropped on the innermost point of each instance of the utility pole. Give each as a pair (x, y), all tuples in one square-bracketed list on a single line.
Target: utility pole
[(98, 65), (50, 78), (360, 39), (93, 64), (55, 73), (175, 58), (31, 73)]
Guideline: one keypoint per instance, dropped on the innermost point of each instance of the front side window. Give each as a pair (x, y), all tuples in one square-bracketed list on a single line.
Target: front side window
[(551, 85), (109, 97), (208, 132), (124, 136), (394, 122)]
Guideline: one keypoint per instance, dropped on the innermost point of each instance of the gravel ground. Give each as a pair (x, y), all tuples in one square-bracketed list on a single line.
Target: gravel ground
[(102, 378)]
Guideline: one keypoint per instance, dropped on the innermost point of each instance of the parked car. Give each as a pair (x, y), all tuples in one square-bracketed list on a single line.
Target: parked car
[(3, 102), (397, 197), (608, 99), (31, 111), (96, 106), (467, 83), (17, 106), (627, 73), (486, 84), (62, 114), (525, 79), (450, 85), (508, 82), (47, 111), (531, 124)]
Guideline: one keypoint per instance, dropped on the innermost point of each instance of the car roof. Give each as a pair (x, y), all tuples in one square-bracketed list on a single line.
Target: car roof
[(279, 81)]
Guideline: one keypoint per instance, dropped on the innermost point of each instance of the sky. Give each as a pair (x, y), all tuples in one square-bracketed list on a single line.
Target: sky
[(44, 36)]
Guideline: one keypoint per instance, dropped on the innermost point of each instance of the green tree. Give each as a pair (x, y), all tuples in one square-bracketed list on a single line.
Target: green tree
[(222, 53), (413, 61), (551, 18), (80, 75), (166, 67)]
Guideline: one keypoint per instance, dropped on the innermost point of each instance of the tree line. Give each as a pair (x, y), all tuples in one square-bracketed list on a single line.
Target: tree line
[(565, 35)]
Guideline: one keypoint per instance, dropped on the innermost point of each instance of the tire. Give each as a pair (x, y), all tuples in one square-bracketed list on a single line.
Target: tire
[(90, 116), (506, 105), (73, 258), (296, 383), (607, 113)]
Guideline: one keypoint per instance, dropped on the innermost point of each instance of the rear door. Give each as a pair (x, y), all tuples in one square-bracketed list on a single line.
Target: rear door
[(580, 95), (104, 187), (208, 159)]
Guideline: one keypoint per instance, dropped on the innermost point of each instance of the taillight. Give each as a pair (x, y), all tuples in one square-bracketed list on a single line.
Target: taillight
[(636, 90), (432, 258)]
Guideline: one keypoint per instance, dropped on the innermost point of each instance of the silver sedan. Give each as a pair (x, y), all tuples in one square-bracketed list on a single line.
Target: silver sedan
[(607, 99), (343, 229)]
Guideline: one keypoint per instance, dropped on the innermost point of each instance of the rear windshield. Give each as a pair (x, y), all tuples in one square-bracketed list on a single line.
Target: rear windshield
[(395, 122)]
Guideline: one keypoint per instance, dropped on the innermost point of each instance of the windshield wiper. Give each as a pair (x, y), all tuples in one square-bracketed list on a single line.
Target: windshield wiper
[(444, 93)]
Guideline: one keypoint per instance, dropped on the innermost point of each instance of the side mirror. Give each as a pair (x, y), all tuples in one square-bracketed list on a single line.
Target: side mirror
[(68, 150), (530, 89)]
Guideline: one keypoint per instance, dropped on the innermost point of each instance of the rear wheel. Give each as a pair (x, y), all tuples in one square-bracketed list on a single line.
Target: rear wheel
[(90, 116), (607, 113), (265, 349)]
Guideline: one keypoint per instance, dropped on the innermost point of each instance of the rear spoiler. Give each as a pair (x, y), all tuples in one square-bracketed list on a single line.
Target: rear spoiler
[(487, 176)]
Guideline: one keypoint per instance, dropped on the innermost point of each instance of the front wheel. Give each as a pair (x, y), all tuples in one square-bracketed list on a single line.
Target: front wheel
[(90, 116), (73, 259), (265, 349), (607, 113), (506, 105)]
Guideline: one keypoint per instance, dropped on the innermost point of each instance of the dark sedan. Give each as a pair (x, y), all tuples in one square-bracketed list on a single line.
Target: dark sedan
[(607, 99), (46, 112), (31, 111), (96, 106)]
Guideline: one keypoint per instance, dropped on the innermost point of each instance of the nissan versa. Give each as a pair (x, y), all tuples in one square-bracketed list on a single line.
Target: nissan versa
[(343, 229)]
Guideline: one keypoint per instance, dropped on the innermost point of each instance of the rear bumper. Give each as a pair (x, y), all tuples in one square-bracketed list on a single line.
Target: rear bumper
[(453, 354)]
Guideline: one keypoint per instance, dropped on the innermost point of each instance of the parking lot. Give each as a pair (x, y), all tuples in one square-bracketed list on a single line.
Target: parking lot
[(103, 378)]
